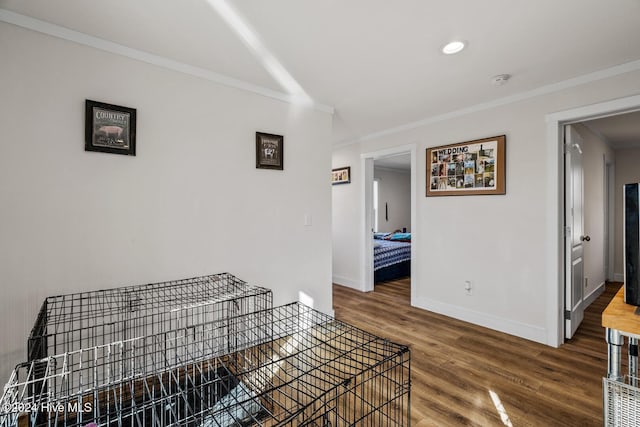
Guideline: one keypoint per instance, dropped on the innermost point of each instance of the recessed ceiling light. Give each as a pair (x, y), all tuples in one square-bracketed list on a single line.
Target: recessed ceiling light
[(453, 47)]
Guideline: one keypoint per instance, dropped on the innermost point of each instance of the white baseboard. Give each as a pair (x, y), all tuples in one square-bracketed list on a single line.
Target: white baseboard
[(345, 281), (618, 277), (594, 295), (530, 332)]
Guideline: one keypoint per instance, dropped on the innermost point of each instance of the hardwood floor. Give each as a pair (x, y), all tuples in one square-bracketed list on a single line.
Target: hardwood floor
[(455, 366)]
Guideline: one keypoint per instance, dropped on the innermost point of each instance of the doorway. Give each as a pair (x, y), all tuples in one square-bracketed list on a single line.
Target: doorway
[(390, 216), (556, 231), (591, 149), (392, 219)]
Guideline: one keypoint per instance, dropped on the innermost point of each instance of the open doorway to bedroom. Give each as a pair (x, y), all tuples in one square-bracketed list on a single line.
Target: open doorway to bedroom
[(389, 220), (392, 220)]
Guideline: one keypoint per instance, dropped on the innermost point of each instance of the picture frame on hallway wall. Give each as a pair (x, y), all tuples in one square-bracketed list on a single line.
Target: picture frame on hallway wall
[(110, 128), (269, 151), (467, 168), (341, 175)]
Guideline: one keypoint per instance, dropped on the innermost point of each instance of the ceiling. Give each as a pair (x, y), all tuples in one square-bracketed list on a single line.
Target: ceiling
[(378, 63), (621, 131), (399, 162)]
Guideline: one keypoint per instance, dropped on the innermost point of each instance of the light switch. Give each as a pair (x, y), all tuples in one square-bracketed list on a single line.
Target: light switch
[(307, 220)]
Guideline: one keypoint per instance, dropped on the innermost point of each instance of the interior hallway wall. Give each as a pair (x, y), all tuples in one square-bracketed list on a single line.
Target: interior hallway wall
[(595, 153), (626, 172), (190, 203), (394, 199), (500, 243)]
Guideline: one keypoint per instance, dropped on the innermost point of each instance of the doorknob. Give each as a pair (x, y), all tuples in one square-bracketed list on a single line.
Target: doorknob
[(585, 238)]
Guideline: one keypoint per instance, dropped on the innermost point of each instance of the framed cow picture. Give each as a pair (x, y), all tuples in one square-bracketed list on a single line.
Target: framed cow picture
[(269, 151), (110, 128)]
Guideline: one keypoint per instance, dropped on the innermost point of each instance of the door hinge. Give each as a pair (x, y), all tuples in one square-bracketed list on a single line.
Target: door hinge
[(567, 315), (567, 230)]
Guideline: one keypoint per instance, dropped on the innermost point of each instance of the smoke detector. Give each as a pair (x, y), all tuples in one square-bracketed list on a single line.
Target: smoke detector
[(500, 79)]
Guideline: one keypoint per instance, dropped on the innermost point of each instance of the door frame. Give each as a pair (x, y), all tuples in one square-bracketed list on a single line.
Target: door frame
[(555, 202), (610, 214), (366, 188)]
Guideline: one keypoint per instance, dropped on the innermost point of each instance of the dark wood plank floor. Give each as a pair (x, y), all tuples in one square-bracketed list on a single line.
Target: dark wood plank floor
[(456, 365)]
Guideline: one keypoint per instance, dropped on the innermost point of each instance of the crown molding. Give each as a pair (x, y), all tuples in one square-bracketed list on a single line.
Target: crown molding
[(543, 90), (63, 33)]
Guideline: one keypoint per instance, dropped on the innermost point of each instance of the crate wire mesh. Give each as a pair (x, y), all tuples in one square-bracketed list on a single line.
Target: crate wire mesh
[(71, 322), (621, 402), (290, 366), (84, 320)]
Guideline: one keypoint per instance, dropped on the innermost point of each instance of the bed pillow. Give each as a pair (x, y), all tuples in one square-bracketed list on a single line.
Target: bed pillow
[(381, 236), (401, 237)]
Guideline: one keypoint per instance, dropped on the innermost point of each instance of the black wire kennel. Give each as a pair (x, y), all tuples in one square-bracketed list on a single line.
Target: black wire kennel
[(66, 323), (82, 320), (290, 366)]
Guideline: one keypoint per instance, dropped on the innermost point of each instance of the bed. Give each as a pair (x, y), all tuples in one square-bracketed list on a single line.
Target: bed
[(391, 256)]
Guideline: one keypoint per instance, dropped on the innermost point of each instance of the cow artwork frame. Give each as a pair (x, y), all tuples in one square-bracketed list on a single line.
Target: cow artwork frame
[(269, 151), (110, 128)]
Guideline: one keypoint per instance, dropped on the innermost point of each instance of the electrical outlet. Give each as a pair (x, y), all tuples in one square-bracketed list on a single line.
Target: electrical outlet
[(468, 289)]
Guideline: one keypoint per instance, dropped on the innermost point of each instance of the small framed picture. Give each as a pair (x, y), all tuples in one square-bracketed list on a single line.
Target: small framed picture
[(341, 175), (110, 128), (269, 151)]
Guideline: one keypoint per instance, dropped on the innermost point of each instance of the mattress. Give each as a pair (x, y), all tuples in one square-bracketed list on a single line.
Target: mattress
[(388, 252)]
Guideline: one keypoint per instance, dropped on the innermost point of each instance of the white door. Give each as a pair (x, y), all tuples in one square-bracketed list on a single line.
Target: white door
[(574, 232)]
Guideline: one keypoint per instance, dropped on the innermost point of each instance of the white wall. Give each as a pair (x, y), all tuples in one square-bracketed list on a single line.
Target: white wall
[(626, 172), (346, 207), (499, 243), (595, 151), (190, 203), (394, 189)]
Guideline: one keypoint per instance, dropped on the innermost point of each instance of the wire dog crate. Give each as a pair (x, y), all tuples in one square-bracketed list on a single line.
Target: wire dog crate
[(291, 366), (82, 320)]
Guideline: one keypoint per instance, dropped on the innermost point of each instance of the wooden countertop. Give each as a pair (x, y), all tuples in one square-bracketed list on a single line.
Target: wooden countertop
[(621, 316)]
